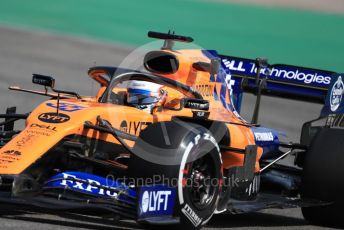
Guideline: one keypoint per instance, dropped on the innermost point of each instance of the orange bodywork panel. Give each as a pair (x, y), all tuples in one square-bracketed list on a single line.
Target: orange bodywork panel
[(44, 128)]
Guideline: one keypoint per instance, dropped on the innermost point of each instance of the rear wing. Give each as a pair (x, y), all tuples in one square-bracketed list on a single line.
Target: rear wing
[(281, 80)]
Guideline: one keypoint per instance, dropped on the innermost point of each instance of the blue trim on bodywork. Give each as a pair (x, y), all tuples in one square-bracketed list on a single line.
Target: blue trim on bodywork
[(157, 200), (268, 140), (230, 86), (92, 185), (292, 80), (65, 106)]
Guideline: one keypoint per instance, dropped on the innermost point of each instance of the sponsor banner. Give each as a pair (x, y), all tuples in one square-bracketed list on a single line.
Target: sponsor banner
[(90, 184), (301, 75), (12, 152), (9, 156), (156, 200), (25, 140), (133, 127), (54, 118), (267, 139), (334, 103), (41, 129), (298, 75), (287, 79)]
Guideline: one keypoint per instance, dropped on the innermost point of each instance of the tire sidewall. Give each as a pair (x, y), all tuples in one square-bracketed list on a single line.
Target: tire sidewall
[(322, 172), (323, 175)]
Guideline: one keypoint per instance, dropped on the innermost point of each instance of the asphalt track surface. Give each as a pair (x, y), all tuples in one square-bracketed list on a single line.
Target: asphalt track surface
[(23, 53), (267, 28)]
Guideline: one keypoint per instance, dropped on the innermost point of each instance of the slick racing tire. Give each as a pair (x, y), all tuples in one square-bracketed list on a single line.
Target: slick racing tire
[(190, 159), (323, 178)]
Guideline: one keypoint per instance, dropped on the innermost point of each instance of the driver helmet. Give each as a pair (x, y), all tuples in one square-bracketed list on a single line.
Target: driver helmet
[(144, 95)]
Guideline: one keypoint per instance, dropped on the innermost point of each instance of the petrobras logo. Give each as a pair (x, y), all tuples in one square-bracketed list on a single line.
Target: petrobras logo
[(268, 136), (285, 72), (88, 185), (264, 135), (156, 200), (336, 95)]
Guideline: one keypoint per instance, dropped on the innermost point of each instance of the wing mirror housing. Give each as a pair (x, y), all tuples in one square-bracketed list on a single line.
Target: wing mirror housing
[(46, 81), (213, 67)]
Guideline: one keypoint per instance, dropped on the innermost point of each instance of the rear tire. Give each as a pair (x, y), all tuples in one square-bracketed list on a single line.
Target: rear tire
[(323, 178)]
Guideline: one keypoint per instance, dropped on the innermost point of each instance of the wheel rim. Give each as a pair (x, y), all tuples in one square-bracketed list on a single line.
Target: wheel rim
[(202, 179)]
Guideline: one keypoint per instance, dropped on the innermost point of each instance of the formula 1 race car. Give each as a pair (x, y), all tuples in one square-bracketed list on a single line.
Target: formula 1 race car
[(166, 144)]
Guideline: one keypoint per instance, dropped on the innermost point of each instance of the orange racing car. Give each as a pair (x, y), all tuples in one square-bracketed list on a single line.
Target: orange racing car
[(163, 145)]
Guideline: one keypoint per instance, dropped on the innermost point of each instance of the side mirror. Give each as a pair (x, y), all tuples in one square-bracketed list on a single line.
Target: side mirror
[(213, 67), (46, 81)]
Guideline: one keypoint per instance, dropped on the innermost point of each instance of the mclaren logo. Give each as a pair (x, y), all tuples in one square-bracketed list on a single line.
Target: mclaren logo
[(53, 117)]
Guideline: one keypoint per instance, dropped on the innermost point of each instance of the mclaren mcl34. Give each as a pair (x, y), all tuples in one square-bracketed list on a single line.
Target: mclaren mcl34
[(166, 144)]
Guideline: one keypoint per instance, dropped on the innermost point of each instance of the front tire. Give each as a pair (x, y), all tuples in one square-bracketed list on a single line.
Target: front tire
[(192, 158), (201, 181)]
